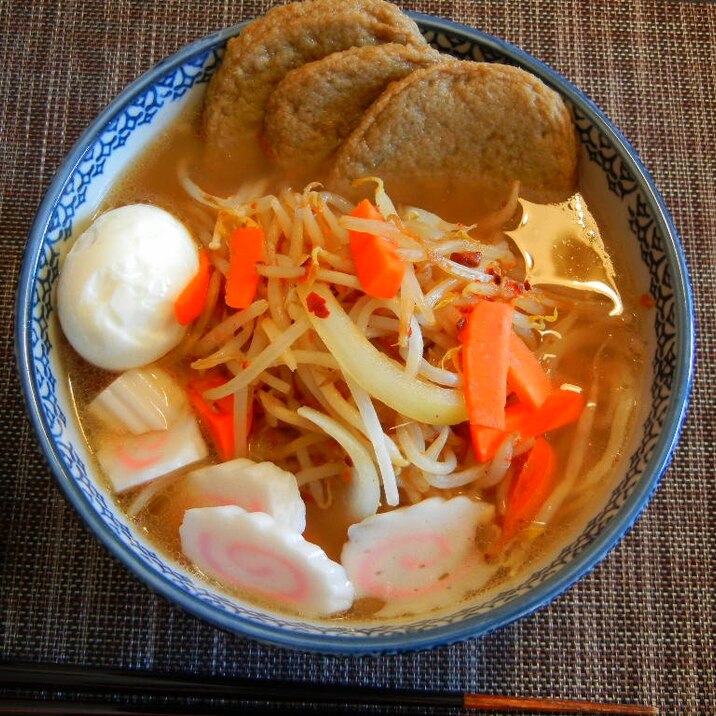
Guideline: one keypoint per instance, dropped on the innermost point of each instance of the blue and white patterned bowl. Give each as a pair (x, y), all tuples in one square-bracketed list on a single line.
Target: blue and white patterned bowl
[(617, 186)]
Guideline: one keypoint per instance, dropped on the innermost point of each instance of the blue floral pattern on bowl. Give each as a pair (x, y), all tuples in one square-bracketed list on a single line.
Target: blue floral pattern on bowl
[(143, 105)]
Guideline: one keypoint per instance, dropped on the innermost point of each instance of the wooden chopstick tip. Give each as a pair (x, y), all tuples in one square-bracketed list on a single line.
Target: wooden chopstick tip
[(522, 704)]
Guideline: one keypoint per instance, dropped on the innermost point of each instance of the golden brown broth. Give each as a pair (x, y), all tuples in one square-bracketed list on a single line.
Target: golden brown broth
[(154, 179), (571, 255)]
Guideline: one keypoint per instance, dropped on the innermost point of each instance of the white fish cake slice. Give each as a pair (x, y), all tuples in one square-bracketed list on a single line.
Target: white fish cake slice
[(131, 460), (414, 551), (251, 552), (139, 401), (254, 486)]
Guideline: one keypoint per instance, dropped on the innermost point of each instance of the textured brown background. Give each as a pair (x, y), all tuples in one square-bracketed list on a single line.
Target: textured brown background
[(639, 628)]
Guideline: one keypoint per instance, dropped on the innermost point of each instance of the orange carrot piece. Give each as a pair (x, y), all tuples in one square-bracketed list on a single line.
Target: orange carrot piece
[(559, 409), (486, 441), (246, 249), (212, 379), (529, 489), (525, 375), (485, 357), (190, 303), (216, 416), (379, 269)]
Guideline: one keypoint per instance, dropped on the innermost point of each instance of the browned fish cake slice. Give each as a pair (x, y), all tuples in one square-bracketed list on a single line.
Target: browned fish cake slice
[(454, 137), (316, 106), (283, 39)]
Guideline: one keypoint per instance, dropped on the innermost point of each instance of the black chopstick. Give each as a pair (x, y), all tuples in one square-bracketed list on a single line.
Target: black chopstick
[(21, 675), (37, 707)]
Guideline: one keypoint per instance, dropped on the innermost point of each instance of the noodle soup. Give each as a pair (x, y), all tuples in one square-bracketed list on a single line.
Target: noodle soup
[(361, 399)]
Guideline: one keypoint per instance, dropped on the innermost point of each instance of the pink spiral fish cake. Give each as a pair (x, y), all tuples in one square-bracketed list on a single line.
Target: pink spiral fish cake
[(415, 551), (251, 552), (254, 486)]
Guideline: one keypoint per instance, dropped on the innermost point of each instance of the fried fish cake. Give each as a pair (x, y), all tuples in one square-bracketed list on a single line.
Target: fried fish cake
[(455, 137), (316, 106), (285, 38)]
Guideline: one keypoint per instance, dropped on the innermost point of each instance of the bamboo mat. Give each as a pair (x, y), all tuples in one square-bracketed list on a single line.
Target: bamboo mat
[(639, 628)]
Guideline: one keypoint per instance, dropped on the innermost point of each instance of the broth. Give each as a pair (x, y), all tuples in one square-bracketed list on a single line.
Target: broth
[(602, 354)]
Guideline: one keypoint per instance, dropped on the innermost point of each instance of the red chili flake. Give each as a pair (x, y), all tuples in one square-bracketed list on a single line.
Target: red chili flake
[(514, 286), (496, 275), (461, 323), (467, 258), (647, 300), (245, 364), (527, 285), (317, 305)]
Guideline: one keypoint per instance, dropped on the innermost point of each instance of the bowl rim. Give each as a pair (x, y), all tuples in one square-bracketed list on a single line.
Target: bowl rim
[(474, 626)]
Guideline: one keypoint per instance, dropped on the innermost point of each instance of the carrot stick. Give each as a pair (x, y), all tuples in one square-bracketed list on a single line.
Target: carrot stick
[(486, 441), (529, 489), (485, 357), (190, 303), (559, 409), (525, 375), (379, 268), (246, 249), (217, 417)]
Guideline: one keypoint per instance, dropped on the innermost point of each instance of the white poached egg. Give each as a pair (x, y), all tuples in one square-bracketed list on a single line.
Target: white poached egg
[(118, 286)]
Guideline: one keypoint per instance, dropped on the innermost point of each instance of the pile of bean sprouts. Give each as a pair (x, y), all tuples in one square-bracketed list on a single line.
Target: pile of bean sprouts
[(347, 404), (315, 417)]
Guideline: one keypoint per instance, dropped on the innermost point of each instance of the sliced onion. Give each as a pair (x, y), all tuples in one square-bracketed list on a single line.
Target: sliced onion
[(374, 431), (439, 375), (500, 463), (380, 376), (364, 488), (413, 444), (456, 479)]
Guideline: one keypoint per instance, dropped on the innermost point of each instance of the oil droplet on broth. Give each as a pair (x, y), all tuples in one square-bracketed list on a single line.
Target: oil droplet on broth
[(562, 246)]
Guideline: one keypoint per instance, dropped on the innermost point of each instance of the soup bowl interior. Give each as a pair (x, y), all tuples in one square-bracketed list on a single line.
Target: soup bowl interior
[(620, 194)]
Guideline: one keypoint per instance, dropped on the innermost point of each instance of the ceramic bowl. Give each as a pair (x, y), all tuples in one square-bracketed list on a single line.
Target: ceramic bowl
[(619, 188)]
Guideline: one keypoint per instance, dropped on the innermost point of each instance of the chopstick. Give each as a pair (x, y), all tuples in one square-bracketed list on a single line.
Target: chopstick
[(21, 675)]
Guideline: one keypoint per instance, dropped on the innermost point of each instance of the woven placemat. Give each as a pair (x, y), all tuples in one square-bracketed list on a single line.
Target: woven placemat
[(639, 628)]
